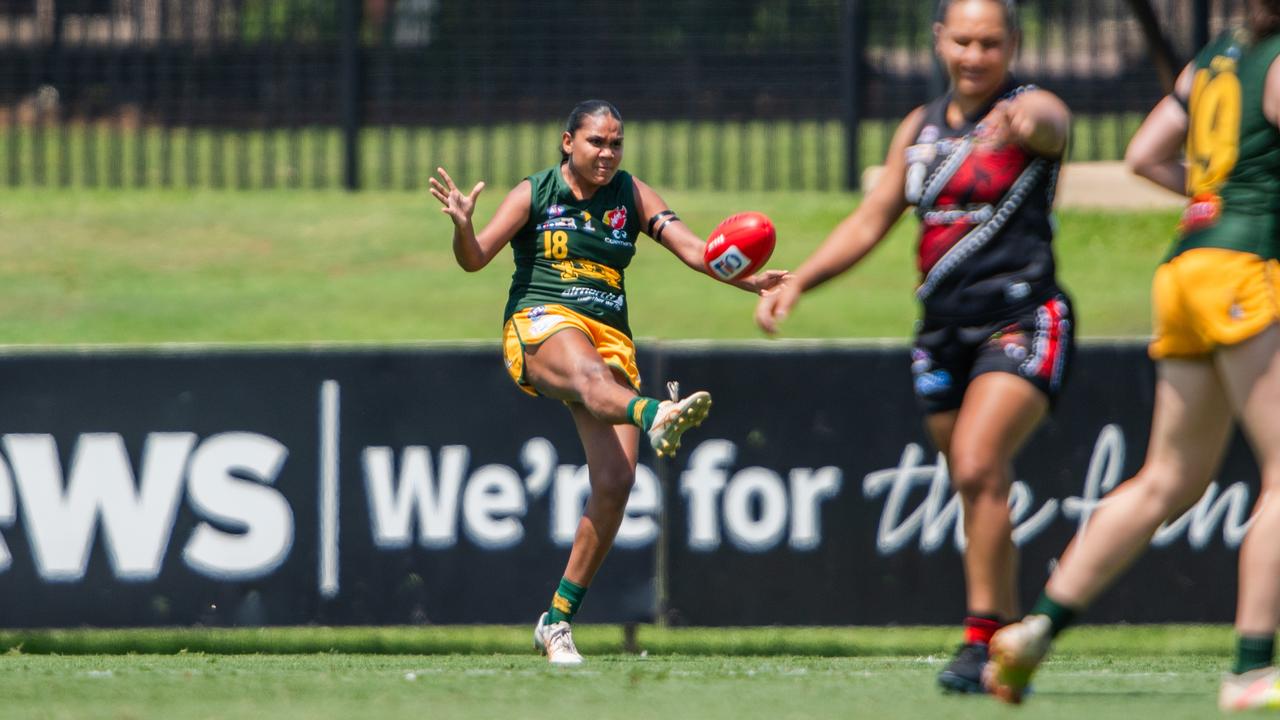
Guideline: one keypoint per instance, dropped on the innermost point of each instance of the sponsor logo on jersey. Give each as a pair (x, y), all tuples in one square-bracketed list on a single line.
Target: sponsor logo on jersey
[(616, 218), (1202, 212), (544, 323), (556, 210), (571, 270), (1017, 291), (563, 223), (619, 237), (591, 296), (537, 311), (932, 383)]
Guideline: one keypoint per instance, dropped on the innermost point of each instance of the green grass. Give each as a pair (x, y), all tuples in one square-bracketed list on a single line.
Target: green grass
[(1110, 640), (1126, 673), (151, 266)]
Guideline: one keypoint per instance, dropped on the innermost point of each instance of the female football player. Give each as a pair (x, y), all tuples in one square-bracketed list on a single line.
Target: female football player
[(1217, 351), (573, 231), (995, 338)]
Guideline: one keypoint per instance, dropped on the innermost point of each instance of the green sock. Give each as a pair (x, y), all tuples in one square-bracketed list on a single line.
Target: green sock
[(1253, 652), (566, 601), (1060, 616), (641, 411)]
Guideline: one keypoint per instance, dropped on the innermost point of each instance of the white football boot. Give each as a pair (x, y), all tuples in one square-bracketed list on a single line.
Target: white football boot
[(1253, 690), (556, 642), (1016, 652), (675, 416)]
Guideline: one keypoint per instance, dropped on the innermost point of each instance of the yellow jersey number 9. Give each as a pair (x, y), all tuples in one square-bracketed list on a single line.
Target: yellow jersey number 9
[(1213, 139)]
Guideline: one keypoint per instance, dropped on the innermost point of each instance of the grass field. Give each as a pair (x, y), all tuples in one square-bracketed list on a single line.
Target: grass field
[(1100, 673), (147, 266)]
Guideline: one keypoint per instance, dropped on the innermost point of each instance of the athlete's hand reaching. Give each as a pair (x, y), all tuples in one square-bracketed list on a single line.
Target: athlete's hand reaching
[(1036, 120), (456, 205), (762, 282), (776, 302)]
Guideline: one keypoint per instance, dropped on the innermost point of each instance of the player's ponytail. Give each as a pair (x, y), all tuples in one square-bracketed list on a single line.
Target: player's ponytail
[(584, 110)]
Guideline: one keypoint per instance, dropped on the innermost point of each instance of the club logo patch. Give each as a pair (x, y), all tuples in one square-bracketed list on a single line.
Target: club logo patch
[(616, 218)]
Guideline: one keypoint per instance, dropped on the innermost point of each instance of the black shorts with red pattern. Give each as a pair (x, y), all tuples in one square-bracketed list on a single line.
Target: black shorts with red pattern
[(1036, 345)]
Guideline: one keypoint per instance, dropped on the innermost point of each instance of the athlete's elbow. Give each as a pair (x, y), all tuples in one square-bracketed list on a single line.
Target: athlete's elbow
[(470, 264), (1138, 161)]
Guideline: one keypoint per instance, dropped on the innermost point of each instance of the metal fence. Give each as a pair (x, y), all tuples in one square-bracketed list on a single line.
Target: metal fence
[(718, 94)]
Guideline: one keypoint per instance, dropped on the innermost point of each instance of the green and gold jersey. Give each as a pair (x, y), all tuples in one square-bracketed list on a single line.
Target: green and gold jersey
[(1233, 151), (573, 252)]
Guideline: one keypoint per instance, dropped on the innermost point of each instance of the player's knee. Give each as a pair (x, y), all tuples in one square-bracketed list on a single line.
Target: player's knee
[(1166, 490), (592, 383), (611, 487), (973, 477)]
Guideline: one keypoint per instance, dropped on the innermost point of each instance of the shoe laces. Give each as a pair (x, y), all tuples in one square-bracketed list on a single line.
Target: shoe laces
[(673, 389), (561, 639)]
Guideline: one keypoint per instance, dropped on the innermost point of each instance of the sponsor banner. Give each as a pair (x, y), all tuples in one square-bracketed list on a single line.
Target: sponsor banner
[(812, 490), (419, 486), (294, 487)]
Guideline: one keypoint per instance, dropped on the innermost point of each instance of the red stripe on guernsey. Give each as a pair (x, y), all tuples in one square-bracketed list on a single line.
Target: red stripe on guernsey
[(1049, 338), (984, 177), (935, 241)]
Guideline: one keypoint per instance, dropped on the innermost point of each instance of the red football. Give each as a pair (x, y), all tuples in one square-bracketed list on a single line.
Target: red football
[(739, 245)]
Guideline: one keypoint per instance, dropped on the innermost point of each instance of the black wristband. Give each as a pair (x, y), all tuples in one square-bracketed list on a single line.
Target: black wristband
[(1185, 103)]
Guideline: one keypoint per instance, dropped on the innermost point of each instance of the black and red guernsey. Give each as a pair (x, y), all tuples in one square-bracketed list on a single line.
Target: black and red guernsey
[(986, 237)]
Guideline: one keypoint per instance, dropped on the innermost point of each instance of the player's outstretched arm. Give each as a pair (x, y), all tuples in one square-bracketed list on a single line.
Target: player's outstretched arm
[(1038, 121), (474, 251), (854, 237), (684, 243), (1155, 152)]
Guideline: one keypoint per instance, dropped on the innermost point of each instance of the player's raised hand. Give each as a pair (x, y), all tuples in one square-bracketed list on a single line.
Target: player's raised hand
[(456, 205), (776, 302)]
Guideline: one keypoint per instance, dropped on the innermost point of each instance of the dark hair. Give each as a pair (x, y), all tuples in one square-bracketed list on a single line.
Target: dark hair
[(1264, 19), (584, 110), (1010, 13)]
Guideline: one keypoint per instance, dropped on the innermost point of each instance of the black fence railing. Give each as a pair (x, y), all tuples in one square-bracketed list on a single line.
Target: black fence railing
[(718, 94)]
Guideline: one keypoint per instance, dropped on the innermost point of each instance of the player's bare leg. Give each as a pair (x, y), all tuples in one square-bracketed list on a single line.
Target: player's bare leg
[(999, 413), (611, 460), (567, 367), (1251, 375), (1190, 427), (612, 452)]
